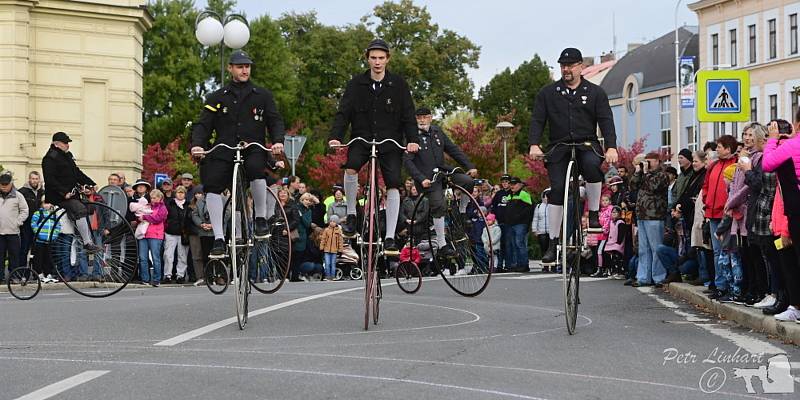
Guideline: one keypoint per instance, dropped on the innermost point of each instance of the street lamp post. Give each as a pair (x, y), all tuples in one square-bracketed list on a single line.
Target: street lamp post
[(678, 127), (696, 101), (211, 29), (505, 129)]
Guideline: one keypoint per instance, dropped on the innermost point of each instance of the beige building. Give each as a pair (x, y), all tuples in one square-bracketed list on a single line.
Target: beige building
[(72, 66), (760, 36)]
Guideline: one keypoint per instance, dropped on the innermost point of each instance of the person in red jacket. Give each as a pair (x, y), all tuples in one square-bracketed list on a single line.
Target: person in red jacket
[(715, 190)]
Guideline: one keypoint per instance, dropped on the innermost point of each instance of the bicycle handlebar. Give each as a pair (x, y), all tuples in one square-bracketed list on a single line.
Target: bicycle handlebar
[(240, 146), (369, 142), (573, 144), (437, 173)]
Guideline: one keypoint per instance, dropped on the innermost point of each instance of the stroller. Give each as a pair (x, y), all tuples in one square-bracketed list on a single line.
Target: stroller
[(347, 264)]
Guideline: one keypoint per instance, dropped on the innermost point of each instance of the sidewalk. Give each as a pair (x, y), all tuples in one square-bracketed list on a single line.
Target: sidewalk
[(746, 316)]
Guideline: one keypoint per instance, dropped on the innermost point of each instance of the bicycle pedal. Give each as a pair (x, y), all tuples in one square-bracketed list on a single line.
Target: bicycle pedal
[(594, 230), (217, 257)]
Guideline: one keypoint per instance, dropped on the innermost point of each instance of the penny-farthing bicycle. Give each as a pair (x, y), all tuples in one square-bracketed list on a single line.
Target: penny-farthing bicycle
[(369, 239), (254, 263), (468, 272)]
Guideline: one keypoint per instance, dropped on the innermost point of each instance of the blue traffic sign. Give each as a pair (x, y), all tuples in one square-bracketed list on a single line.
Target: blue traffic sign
[(723, 96), (159, 177)]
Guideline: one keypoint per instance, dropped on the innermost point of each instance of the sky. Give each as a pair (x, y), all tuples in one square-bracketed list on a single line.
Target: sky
[(510, 32)]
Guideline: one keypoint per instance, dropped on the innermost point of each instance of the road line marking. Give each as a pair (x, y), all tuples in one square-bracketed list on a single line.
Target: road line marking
[(62, 386), (212, 327)]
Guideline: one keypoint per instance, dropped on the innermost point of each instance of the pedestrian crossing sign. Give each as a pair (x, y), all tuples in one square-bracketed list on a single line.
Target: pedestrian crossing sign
[(724, 96)]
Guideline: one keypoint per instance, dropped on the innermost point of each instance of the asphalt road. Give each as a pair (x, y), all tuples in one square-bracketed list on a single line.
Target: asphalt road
[(510, 342)]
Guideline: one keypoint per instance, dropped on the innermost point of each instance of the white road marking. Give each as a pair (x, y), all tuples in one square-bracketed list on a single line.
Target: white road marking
[(747, 343), (212, 327), (62, 386), (287, 371)]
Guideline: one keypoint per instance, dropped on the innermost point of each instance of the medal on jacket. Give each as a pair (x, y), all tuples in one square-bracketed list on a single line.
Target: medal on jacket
[(584, 99), (225, 110), (258, 114), (388, 101), (438, 141)]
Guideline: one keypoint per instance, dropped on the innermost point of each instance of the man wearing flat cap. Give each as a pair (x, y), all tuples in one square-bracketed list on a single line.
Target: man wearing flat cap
[(433, 145), (573, 108), (63, 176), (240, 111), (376, 105)]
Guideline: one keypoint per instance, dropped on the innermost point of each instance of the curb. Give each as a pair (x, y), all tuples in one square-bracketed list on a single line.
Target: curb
[(89, 285), (745, 316)]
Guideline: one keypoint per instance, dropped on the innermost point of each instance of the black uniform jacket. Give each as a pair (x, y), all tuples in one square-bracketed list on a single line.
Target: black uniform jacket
[(386, 113), (432, 147), (238, 112), (572, 117), (61, 174)]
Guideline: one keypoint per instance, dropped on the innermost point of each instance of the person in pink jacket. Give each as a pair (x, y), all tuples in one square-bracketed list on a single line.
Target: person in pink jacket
[(605, 223), (150, 246)]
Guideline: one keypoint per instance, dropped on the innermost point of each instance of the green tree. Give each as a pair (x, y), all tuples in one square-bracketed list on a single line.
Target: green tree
[(514, 91), (173, 67), (433, 61)]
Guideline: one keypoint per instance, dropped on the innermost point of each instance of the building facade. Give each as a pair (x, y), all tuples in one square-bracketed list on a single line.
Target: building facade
[(77, 67), (760, 36), (642, 94)]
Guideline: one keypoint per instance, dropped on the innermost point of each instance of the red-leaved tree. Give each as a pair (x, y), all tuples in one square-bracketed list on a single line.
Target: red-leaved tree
[(483, 147), (626, 155), (327, 170), (157, 159)]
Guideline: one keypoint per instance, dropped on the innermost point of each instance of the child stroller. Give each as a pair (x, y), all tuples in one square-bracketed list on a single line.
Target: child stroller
[(347, 264)]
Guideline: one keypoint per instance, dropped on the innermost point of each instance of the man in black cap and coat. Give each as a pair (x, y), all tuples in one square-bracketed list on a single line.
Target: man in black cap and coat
[(63, 176), (433, 145), (376, 105), (238, 112), (573, 108)]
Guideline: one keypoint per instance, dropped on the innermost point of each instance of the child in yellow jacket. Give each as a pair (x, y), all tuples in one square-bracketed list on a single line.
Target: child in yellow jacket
[(331, 244)]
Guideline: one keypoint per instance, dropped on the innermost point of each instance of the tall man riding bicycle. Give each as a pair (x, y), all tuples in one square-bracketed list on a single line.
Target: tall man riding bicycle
[(238, 112), (573, 108)]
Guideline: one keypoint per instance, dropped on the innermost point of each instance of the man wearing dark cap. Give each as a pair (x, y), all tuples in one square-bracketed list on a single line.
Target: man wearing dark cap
[(376, 105), (433, 145), (519, 214), (687, 172), (63, 176), (573, 108), (499, 204), (240, 111)]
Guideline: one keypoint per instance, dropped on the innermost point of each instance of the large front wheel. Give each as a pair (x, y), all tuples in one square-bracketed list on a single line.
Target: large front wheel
[(240, 242), (271, 257), (571, 246)]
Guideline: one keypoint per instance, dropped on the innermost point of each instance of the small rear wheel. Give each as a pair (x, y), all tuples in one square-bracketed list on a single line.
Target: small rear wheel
[(408, 277), (217, 276), (23, 283)]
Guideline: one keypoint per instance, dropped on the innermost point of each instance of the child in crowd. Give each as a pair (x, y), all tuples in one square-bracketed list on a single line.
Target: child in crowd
[(331, 244), (44, 226), (605, 223), (151, 244), (730, 275), (493, 230)]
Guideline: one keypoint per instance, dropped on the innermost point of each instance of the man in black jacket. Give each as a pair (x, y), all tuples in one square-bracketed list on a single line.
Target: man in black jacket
[(376, 105), (499, 205), (33, 191), (434, 143), (573, 108), (63, 176), (240, 111)]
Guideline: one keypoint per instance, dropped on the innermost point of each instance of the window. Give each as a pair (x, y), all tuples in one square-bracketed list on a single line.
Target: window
[(666, 137), (691, 139), (773, 107), (793, 34), (773, 39), (753, 109), (735, 131), (631, 94), (716, 130), (715, 49), (734, 52), (752, 50), (793, 96)]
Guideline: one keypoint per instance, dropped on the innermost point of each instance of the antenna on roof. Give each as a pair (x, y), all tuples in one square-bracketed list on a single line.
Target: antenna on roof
[(614, 32)]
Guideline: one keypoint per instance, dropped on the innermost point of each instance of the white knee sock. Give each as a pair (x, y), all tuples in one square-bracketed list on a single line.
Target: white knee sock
[(463, 203), (351, 192), (438, 226), (215, 213), (554, 220), (392, 211), (593, 191), (270, 205), (258, 189), (83, 228)]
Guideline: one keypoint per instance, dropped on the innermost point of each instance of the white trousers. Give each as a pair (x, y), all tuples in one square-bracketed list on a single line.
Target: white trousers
[(170, 243)]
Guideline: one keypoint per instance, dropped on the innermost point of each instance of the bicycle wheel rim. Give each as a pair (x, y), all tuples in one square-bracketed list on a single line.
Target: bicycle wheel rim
[(240, 240), (376, 302), (217, 276), (408, 277), (470, 260), (23, 283), (111, 268), (369, 246), (273, 256), (571, 242)]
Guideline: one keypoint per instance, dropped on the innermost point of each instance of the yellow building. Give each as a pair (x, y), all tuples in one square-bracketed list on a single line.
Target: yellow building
[(77, 67), (760, 36)]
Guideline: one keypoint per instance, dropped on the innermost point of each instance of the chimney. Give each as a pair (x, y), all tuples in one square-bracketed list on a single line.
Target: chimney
[(588, 61), (610, 56)]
